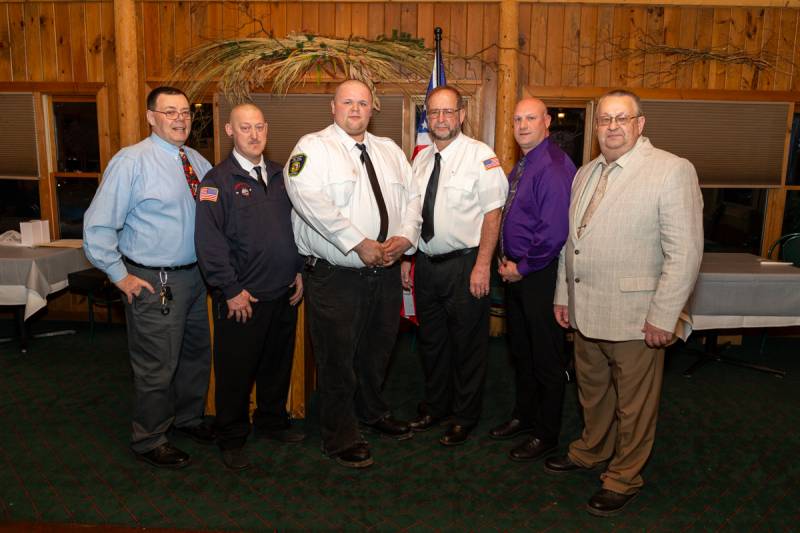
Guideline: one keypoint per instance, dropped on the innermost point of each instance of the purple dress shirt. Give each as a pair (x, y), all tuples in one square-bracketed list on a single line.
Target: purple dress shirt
[(536, 224)]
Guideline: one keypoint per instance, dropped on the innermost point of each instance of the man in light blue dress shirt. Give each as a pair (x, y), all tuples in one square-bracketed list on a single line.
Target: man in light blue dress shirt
[(139, 230)]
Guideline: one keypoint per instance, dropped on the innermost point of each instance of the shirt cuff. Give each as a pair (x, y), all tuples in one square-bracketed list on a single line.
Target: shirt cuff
[(117, 272)]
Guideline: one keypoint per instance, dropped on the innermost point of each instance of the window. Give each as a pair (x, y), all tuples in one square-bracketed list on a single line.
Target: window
[(567, 126), (733, 219), (202, 136)]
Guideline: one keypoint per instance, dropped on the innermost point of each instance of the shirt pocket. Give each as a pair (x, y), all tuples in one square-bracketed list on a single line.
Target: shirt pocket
[(396, 191), (460, 193), (340, 189), (638, 284)]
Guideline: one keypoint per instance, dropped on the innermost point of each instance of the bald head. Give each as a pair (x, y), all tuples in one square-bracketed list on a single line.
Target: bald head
[(248, 129), (531, 123), (352, 108)]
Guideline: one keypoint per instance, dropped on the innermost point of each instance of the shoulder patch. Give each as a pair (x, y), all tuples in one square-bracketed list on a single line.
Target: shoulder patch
[(491, 163), (296, 164), (208, 194)]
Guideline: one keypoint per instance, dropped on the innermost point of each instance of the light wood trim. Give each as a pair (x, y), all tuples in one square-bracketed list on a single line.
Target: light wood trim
[(127, 54), (773, 218), (587, 93), (55, 88), (47, 196), (507, 83), (704, 3), (77, 175)]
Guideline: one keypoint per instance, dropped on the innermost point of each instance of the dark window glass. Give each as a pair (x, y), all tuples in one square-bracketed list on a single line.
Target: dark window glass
[(76, 136), (793, 172), (74, 196), (791, 213), (202, 136), (19, 201), (566, 130), (733, 219)]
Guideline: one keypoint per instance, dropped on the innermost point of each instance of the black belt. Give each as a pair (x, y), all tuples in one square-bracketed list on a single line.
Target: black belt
[(168, 269), (312, 262), (449, 255)]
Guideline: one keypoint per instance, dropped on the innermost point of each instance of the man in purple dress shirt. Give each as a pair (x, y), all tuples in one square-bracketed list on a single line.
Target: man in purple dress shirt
[(533, 230)]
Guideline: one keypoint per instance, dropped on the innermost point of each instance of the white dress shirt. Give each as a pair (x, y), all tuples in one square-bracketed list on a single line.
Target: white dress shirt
[(334, 206), (471, 183), (247, 165)]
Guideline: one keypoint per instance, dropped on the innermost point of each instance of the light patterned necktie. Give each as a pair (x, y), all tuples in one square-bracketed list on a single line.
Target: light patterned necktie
[(188, 171), (597, 197)]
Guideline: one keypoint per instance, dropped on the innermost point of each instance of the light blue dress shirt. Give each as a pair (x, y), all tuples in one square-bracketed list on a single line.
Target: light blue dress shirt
[(143, 209)]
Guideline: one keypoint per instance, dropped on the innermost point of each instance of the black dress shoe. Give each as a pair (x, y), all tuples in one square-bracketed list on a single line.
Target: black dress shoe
[(510, 429), (455, 435), (559, 464), (288, 435), (425, 422), (235, 459), (531, 450), (390, 427), (356, 456), (165, 456), (606, 502), (201, 433)]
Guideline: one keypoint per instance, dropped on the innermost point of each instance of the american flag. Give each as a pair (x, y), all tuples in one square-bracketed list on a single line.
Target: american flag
[(437, 80)]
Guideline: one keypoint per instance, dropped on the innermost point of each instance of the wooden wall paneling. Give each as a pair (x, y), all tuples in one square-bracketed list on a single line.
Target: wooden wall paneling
[(110, 74), (525, 44), (360, 16), (769, 44), (5, 45), (672, 35), (261, 12), (587, 54), (787, 33), (183, 30), (344, 21), (230, 20), (491, 22), (33, 41), (474, 67), (375, 14), (773, 218), (408, 19), (733, 72), (294, 18), (425, 24), (311, 17), (198, 12), (442, 19), (77, 38), (719, 41), (327, 18), (166, 41), (571, 45), (278, 18), (150, 34), (554, 57), (458, 38), (47, 29), (17, 41), (795, 58), (94, 42), (655, 33), (103, 128), (619, 37), (63, 55), (246, 18), (686, 41), (603, 48), (637, 28), (703, 36), (754, 26)]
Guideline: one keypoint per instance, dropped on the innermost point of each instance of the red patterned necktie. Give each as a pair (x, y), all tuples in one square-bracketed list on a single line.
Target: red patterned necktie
[(191, 177)]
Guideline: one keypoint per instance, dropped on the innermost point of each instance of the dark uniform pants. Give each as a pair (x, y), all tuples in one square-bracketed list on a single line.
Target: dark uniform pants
[(353, 316), (170, 356), (261, 351), (536, 342), (453, 337)]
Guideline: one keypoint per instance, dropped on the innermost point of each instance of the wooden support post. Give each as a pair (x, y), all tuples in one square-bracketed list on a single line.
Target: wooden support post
[(507, 83), (127, 71)]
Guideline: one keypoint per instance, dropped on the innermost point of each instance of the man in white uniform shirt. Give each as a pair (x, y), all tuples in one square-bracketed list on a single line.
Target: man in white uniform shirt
[(465, 190), (355, 215)]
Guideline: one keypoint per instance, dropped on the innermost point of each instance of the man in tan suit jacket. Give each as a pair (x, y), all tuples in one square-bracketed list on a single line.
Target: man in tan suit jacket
[(627, 269)]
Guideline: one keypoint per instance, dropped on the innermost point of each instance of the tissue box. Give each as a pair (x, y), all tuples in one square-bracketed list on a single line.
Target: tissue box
[(34, 232), (26, 233)]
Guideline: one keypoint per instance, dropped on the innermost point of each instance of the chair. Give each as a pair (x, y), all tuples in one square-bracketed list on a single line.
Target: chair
[(789, 248), (98, 289)]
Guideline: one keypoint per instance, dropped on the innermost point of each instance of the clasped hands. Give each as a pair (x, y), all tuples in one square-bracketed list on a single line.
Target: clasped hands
[(376, 254)]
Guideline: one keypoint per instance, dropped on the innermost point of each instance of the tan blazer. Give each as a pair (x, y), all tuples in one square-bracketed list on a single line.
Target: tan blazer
[(639, 256)]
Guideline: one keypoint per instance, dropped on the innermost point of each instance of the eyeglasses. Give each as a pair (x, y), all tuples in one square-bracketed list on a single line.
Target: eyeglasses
[(173, 115), (621, 120), (447, 113)]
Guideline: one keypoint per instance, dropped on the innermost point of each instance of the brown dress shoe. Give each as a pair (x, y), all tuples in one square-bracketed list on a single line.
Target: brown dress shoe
[(356, 456), (424, 422), (201, 433), (606, 502), (562, 463), (165, 456), (531, 450), (235, 459), (391, 427), (456, 434), (510, 429)]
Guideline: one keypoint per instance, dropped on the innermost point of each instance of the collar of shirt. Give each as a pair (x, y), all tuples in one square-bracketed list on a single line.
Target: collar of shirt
[(623, 159), (451, 148), (161, 143), (349, 142), (531, 156), (249, 166)]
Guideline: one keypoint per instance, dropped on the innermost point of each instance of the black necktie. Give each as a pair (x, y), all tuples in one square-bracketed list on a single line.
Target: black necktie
[(263, 182), (376, 190), (430, 200)]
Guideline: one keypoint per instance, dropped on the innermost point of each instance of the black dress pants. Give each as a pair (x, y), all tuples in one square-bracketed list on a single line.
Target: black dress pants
[(353, 317), (453, 337), (536, 343), (260, 350)]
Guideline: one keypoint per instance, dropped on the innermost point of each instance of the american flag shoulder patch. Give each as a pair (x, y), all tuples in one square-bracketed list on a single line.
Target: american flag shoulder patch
[(208, 194), (491, 163)]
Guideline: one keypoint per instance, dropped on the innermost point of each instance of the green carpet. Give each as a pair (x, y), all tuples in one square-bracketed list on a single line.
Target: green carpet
[(725, 456)]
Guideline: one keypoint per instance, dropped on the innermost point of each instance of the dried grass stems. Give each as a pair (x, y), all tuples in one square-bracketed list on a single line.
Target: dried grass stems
[(241, 65)]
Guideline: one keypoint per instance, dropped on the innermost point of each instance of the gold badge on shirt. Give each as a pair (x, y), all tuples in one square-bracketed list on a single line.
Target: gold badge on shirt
[(296, 164)]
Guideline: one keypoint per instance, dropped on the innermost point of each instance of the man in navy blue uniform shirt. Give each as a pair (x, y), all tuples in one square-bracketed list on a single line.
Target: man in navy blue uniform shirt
[(533, 230), (248, 256)]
